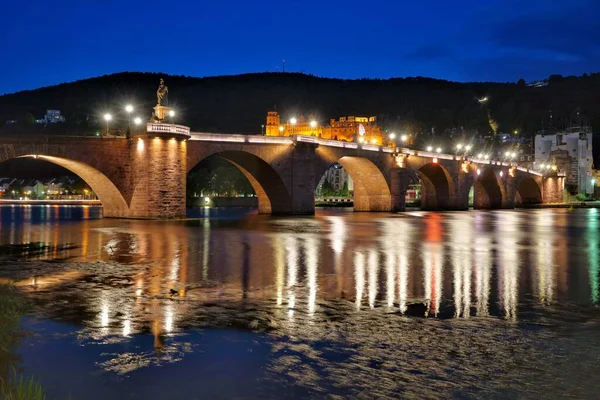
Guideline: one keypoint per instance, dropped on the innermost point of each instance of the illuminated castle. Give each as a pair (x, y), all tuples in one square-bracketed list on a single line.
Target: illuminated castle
[(349, 129)]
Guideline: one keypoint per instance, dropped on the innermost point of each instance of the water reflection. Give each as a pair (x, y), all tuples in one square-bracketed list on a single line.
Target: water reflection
[(433, 253), (155, 276), (593, 253), (545, 257), (508, 234)]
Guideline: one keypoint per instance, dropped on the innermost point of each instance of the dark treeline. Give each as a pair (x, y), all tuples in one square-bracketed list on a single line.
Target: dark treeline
[(239, 103)]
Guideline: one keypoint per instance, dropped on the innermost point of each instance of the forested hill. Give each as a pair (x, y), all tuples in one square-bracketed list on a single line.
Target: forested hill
[(239, 103)]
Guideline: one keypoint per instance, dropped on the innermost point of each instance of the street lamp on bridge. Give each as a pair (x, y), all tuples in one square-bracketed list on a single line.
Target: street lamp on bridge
[(107, 118), (128, 110), (293, 122), (392, 136)]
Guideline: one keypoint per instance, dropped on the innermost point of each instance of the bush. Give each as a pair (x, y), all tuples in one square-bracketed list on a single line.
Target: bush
[(20, 388), (581, 197), (12, 307)]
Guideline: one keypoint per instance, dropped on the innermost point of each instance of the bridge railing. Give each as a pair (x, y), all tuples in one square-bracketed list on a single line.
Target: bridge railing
[(168, 128)]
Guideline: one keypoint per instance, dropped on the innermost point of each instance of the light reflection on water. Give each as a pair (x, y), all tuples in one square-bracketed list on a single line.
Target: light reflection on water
[(295, 271), (450, 263)]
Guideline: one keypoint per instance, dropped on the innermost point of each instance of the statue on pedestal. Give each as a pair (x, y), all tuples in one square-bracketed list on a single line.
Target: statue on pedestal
[(161, 110), (162, 94)]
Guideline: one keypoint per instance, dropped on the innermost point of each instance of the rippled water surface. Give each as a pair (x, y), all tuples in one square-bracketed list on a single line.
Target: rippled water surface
[(500, 304)]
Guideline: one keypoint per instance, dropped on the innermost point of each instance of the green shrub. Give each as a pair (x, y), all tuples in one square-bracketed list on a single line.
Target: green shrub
[(20, 388), (12, 307), (581, 197)]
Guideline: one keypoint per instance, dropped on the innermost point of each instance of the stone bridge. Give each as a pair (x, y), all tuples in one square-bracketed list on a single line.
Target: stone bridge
[(145, 176)]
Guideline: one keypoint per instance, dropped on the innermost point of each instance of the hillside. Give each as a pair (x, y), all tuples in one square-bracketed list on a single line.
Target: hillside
[(239, 103)]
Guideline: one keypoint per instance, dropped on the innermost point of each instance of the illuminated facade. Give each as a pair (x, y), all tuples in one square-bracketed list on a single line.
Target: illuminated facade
[(349, 129)]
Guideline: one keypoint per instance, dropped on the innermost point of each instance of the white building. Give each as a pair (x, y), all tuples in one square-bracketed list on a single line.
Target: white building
[(51, 117), (337, 178), (571, 152)]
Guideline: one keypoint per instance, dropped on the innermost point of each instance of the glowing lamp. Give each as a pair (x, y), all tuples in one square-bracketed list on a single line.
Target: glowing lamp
[(129, 108)]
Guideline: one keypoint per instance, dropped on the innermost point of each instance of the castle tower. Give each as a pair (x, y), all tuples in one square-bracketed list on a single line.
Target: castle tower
[(273, 121)]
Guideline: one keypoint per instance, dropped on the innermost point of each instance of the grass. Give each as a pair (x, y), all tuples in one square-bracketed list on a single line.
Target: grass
[(21, 388), (12, 307)]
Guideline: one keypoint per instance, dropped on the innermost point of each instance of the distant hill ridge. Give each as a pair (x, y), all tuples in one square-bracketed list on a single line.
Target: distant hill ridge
[(238, 103)]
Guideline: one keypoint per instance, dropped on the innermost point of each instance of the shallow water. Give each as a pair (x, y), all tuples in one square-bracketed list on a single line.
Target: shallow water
[(233, 304)]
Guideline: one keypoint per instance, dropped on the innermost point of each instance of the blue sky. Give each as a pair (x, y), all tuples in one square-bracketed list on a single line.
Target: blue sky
[(47, 43)]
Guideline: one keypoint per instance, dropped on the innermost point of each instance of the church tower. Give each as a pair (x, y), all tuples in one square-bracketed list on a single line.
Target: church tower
[(273, 122)]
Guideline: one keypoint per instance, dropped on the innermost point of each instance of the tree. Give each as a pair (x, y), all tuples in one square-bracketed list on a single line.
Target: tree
[(198, 182), (15, 189), (27, 118), (344, 192), (326, 189)]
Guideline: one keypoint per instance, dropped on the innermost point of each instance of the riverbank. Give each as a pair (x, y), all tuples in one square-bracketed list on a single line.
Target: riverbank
[(51, 202), (583, 204)]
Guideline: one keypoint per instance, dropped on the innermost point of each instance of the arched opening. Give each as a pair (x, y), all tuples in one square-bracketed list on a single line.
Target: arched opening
[(114, 205), (437, 189), (359, 179), (260, 181), (528, 192), (488, 191), (335, 188)]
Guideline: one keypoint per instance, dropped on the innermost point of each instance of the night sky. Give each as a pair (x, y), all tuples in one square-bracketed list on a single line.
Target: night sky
[(49, 42)]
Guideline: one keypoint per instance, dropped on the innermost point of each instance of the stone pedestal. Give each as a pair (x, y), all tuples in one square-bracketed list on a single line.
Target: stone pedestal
[(161, 113)]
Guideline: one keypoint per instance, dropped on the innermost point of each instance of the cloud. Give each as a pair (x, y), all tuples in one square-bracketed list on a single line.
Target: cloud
[(569, 33), (507, 40)]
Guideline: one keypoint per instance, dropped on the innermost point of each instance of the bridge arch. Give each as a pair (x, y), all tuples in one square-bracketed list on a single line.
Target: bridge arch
[(528, 191), (489, 191), (437, 188), (371, 190), (113, 202), (272, 193)]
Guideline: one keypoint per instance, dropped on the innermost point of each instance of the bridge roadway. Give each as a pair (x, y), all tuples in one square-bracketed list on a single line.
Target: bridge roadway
[(145, 176)]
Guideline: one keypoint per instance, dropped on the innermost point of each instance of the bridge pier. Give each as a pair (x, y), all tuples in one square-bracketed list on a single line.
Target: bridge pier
[(553, 187), (158, 176), (399, 180), (464, 182), (303, 179)]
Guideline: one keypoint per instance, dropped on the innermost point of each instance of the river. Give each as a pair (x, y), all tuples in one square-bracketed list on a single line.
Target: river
[(485, 304)]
